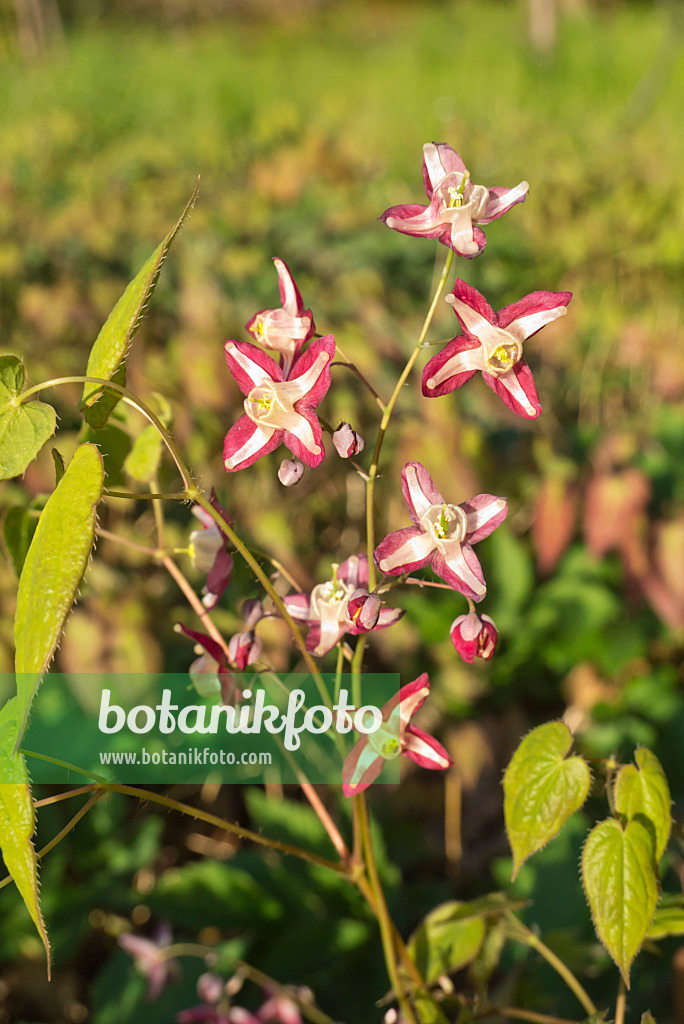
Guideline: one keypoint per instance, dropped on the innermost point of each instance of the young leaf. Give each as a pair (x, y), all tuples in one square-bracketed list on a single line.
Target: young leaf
[(429, 1012), (668, 918), (643, 793), (448, 938), (111, 345), (24, 426), (53, 569), (17, 820), (542, 788), (647, 1017), (60, 464), (619, 877), (18, 528)]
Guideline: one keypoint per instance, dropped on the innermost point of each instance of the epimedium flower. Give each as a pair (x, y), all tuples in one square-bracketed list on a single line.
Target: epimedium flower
[(327, 610), (395, 737), (474, 636), (347, 442), (208, 553), (442, 534), (456, 207), (278, 409), (493, 344), (284, 330), (151, 959), (211, 673)]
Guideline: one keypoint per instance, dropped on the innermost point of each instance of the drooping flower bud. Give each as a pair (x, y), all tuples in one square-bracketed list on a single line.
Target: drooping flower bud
[(209, 988), (252, 612), (474, 636), (290, 472), (364, 610), (244, 649), (347, 441)]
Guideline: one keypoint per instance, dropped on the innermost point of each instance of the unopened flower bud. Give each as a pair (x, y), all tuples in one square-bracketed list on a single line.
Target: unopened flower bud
[(244, 649), (252, 612), (474, 636), (347, 441), (364, 610), (290, 472), (209, 988), (204, 673), (204, 546)]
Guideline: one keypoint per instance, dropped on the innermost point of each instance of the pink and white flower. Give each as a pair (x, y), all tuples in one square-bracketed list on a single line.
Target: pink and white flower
[(207, 549), (395, 737), (474, 636), (278, 410), (442, 534), (347, 442), (286, 329), (456, 204), (493, 344), (151, 959), (326, 609)]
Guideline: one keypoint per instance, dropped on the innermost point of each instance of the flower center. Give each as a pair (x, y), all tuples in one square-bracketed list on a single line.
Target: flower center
[(503, 352), (446, 522), (385, 741), (331, 597), (262, 405)]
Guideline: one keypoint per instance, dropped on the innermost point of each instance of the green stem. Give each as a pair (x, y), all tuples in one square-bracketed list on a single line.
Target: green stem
[(356, 666), (130, 399), (389, 408), (621, 1002), (267, 983), (146, 496), (521, 933), (381, 912), (516, 1014)]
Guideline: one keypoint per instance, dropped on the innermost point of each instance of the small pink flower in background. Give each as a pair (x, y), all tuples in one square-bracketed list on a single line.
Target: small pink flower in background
[(347, 441), (326, 609), (207, 549), (244, 649), (442, 534), (279, 1009), (211, 673), (290, 472), (394, 737), (474, 636), (493, 343), (364, 610), (456, 205), (151, 960), (286, 329), (278, 410)]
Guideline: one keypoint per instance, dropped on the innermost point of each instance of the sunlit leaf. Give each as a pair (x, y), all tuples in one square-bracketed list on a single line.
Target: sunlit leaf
[(619, 877), (18, 528), (447, 939), (542, 788), (53, 569), (60, 464), (17, 820), (668, 918), (642, 792), (111, 345), (24, 426)]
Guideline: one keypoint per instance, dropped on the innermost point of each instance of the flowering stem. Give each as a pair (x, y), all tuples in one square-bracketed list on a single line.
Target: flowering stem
[(310, 1011), (389, 408), (125, 542), (381, 912), (145, 496), (354, 369), (516, 1014), (195, 603), (325, 819), (130, 399), (66, 795), (520, 933), (621, 1002)]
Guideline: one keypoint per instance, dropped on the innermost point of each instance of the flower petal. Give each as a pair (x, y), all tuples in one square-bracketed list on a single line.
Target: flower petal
[(501, 200), (439, 159), (250, 366), (420, 221), (246, 442), (458, 566), (424, 749), (530, 314), (325, 632), (299, 606), (475, 315), (311, 372), (302, 435), (517, 390), (405, 550), (419, 490), (453, 366), (210, 646), (289, 292), (361, 767), (484, 513), (218, 578), (354, 571)]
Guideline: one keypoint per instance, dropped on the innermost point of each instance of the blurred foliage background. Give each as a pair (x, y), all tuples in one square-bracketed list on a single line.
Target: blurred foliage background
[(306, 120)]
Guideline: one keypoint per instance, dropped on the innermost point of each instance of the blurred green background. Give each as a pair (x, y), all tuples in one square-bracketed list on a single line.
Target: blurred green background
[(305, 121)]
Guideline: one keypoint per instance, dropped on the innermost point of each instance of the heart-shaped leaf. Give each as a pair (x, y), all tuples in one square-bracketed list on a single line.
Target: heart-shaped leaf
[(53, 569), (17, 820), (24, 426), (668, 918), (448, 938), (107, 355), (643, 793), (619, 877), (542, 788)]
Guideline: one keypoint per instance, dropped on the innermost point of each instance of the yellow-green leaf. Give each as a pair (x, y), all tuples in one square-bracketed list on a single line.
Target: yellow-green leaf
[(53, 569), (447, 939), (111, 345), (643, 793), (668, 918), (142, 462), (542, 788), (24, 426), (17, 820), (619, 877)]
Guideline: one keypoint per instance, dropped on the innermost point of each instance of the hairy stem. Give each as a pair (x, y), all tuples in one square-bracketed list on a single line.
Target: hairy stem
[(521, 933)]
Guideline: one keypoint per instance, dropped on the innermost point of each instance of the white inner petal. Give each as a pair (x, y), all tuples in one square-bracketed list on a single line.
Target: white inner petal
[(523, 326)]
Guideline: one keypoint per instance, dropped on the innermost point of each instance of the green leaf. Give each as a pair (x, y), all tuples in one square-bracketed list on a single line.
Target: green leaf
[(24, 426), (142, 462), (447, 939), (60, 464), (108, 354), (647, 1017), (17, 820), (668, 918), (18, 528), (643, 793), (428, 1010), (619, 877), (53, 569), (542, 788)]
